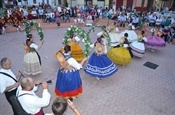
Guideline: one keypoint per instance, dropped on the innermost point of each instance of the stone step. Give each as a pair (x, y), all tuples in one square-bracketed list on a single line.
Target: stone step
[(43, 26), (39, 21), (101, 22)]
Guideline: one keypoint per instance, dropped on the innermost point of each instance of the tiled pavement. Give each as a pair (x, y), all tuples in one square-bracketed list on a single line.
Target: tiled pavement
[(133, 90)]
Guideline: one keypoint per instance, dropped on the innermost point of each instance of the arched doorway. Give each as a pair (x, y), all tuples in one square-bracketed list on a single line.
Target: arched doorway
[(129, 4), (150, 5), (119, 3)]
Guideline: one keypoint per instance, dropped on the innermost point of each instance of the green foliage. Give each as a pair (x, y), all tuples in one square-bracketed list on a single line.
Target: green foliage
[(1, 2), (107, 37), (30, 24), (83, 35)]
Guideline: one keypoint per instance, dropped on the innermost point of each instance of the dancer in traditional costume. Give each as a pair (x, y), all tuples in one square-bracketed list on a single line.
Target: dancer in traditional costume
[(132, 36), (138, 47), (121, 54), (76, 51), (32, 61), (154, 40), (99, 65), (68, 82), (104, 37), (2, 25), (20, 15), (115, 37), (16, 24), (7, 18)]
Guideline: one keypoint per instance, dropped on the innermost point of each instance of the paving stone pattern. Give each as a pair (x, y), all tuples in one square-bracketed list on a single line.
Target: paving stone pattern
[(133, 90)]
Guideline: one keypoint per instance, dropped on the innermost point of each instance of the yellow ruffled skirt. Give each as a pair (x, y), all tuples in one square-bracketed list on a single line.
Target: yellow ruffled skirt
[(77, 52), (119, 55)]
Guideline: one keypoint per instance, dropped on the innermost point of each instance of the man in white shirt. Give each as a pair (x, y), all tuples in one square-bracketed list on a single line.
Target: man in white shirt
[(122, 20), (41, 13), (29, 101), (8, 81), (135, 21), (52, 18), (152, 19)]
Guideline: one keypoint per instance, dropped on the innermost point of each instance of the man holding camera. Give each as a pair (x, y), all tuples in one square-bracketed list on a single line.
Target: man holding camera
[(29, 101)]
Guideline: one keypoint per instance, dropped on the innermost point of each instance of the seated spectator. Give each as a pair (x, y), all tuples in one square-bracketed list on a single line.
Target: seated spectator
[(57, 14), (122, 20), (158, 21), (59, 106), (171, 36), (30, 16), (67, 16), (89, 20), (165, 33), (62, 14), (80, 20), (168, 21), (152, 20), (135, 21), (34, 13), (40, 13), (25, 13), (45, 17), (52, 18)]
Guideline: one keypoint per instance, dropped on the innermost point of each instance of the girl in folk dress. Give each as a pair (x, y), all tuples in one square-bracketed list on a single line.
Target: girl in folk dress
[(138, 47), (68, 82), (32, 61), (76, 50), (121, 54), (115, 37), (2, 25), (132, 36), (154, 40), (16, 24), (99, 65)]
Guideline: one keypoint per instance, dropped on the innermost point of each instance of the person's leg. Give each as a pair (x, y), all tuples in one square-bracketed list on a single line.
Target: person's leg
[(69, 18), (8, 95)]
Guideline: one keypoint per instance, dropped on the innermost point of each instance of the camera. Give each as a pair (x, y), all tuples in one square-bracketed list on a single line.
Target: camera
[(71, 99)]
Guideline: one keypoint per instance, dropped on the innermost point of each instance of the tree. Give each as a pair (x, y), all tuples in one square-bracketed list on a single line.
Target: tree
[(1, 2)]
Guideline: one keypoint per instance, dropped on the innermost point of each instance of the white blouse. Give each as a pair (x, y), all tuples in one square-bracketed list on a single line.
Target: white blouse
[(71, 61), (33, 45)]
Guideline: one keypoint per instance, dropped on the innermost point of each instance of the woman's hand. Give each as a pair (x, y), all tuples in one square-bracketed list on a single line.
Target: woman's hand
[(42, 42), (71, 104)]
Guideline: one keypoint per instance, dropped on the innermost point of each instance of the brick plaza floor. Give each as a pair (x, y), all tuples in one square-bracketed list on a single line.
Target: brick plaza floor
[(133, 90)]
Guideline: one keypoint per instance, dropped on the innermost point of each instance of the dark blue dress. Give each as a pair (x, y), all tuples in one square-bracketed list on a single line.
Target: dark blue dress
[(68, 82), (100, 66)]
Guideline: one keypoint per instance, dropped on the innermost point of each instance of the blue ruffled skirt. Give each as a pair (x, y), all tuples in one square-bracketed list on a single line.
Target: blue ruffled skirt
[(68, 83), (100, 66)]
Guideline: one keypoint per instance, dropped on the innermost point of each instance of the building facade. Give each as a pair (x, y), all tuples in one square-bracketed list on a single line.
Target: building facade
[(141, 5)]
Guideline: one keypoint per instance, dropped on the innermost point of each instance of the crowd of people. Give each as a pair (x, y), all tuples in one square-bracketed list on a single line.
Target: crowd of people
[(124, 45), (87, 14)]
